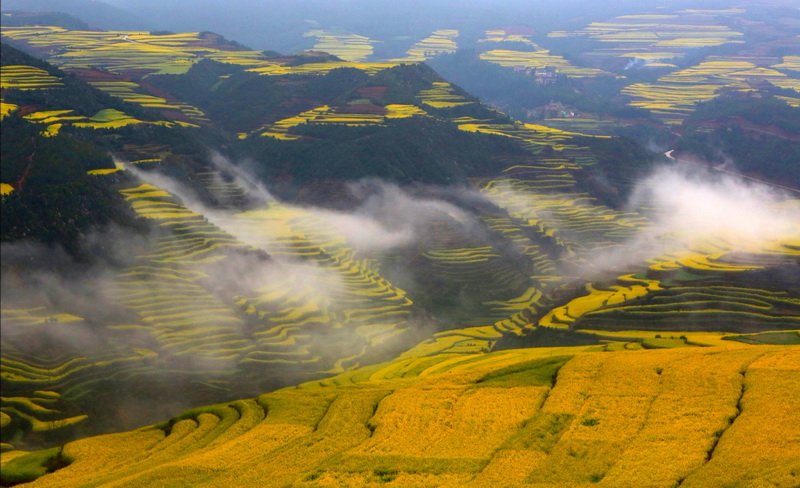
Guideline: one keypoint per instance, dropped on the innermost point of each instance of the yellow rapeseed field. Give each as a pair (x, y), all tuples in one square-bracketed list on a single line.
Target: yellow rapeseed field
[(704, 416)]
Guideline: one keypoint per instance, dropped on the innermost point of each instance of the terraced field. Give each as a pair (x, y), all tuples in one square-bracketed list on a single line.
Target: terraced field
[(42, 393), (133, 92), (212, 334), (27, 78), (442, 95), (662, 40), (219, 305), (349, 115), (278, 69), (501, 35), (629, 418), (540, 58), (659, 36), (350, 47), (31, 78), (125, 51), (710, 287), (441, 41), (673, 96)]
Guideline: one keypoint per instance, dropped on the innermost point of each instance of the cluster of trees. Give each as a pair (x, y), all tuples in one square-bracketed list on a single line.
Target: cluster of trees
[(719, 131), (417, 149), (55, 201)]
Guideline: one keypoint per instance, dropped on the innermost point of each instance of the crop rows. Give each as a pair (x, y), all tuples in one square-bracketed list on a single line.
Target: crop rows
[(540, 58), (673, 96), (121, 51), (442, 41), (630, 418), (630, 289), (478, 270), (680, 31), (704, 306), (328, 286), (166, 290), (326, 115), (574, 221), (501, 35), (270, 68), (27, 78), (127, 90), (227, 193), (350, 47), (533, 136), (442, 95), (44, 390)]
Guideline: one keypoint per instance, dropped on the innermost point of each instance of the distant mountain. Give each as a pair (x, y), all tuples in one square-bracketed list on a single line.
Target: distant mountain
[(18, 19), (97, 14)]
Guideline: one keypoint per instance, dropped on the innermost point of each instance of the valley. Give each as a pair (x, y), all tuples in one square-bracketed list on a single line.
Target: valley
[(226, 266)]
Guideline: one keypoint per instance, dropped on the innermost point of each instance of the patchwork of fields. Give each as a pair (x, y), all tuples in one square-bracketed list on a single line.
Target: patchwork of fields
[(671, 365)]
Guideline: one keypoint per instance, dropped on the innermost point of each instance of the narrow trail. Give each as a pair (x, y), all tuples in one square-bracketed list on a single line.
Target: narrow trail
[(669, 155)]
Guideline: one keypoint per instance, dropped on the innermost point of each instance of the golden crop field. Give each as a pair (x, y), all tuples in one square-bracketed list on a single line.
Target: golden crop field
[(540, 58), (131, 92), (30, 78), (337, 116), (659, 39), (500, 35), (27, 78), (96, 45), (275, 69), (673, 96), (119, 51), (789, 63), (442, 95), (524, 418), (682, 30), (442, 41), (350, 47)]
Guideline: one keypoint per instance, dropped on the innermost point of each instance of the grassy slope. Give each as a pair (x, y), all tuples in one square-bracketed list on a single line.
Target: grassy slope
[(543, 417)]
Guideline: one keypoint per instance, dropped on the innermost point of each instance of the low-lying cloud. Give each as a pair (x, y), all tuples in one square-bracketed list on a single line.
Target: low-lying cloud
[(694, 205)]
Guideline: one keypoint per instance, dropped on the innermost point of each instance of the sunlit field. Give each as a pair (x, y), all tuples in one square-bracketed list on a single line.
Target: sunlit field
[(540, 58), (27, 78), (673, 96), (660, 32), (500, 35), (347, 116), (538, 417), (350, 47), (440, 42)]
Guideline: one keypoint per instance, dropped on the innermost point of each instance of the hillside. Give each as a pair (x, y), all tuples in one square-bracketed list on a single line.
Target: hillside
[(539, 418), (188, 221)]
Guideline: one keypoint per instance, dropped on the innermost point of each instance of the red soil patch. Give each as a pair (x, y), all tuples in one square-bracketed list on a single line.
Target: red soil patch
[(373, 92), (90, 75)]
